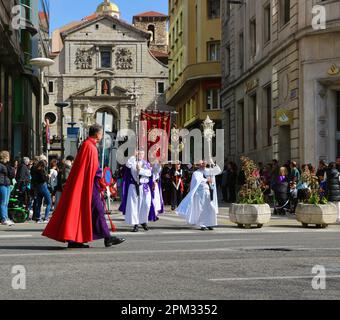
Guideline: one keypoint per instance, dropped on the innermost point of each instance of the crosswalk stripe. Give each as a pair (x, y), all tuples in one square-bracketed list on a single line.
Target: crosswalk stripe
[(18, 236), (205, 240), (272, 278), (108, 252)]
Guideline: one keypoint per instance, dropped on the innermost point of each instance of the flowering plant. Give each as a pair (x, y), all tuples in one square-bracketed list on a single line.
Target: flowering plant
[(251, 192), (315, 194)]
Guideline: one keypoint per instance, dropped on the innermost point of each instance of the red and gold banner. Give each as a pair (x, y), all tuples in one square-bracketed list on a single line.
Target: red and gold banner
[(157, 120)]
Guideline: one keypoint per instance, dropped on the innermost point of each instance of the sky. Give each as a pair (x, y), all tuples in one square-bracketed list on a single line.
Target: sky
[(63, 12)]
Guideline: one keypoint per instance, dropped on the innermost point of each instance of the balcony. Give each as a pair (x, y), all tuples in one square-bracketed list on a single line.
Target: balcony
[(26, 22), (190, 75)]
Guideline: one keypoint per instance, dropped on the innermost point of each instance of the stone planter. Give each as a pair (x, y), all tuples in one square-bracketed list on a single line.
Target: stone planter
[(320, 215), (246, 215)]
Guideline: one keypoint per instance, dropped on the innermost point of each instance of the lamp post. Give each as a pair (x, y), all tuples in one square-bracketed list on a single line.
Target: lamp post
[(208, 133), (135, 94), (88, 120), (41, 63), (62, 105)]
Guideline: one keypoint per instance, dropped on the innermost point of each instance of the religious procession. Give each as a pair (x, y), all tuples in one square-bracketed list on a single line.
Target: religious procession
[(80, 208), (82, 201), (199, 139)]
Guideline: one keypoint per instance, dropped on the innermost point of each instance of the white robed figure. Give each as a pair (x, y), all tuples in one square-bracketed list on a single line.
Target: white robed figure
[(200, 206), (157, 197), (138, 203)]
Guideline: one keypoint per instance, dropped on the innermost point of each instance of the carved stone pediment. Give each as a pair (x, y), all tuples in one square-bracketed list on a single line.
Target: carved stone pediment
[(84, 92), (104, 73), (120, 92)]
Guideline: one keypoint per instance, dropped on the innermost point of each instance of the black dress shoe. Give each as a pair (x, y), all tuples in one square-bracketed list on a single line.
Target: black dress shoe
[(145, 226), (135, 229), (75, 245), (211, 228), (113, 241)]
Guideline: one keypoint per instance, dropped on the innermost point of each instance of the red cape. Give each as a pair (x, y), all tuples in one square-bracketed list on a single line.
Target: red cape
[(72, 220)]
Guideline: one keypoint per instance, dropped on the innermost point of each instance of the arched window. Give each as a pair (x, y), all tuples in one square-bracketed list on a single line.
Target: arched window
[(151, 30), (105, 87)]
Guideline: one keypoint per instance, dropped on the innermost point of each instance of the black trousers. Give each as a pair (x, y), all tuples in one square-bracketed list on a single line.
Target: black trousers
[(176, 197), (225, 193), (231, 193)]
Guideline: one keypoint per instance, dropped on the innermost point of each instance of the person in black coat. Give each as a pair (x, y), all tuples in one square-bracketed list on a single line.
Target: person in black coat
[(333, 183), (39, 183), (333, 186), (231, 182), (177, 185), (166, 184), (281, 190), (23, 178)]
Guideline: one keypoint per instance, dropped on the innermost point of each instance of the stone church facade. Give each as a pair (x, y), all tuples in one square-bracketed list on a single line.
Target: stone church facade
[(102, 61)]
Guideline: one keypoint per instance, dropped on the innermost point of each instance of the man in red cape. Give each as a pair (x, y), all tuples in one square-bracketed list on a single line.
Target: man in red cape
[(80, 215)]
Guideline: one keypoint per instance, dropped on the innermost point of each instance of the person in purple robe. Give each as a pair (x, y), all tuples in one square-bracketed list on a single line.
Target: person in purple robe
[(100, 228), (137, 192)]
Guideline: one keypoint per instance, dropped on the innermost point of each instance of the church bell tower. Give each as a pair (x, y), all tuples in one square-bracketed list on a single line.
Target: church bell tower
[(155, 24)]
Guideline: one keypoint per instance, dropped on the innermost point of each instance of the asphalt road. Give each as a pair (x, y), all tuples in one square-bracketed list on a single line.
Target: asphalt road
[(175, 261)]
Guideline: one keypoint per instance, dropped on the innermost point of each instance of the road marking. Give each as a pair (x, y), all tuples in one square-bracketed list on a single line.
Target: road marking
[(207, 240), (271, 278), (176, 218), (108, 252), (272, 247), (297, 248), (172, 218), (15, 236), (276, 230), (178, 232), (130, 233)]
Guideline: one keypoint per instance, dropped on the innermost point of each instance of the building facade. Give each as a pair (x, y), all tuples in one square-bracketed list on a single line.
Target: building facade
[(280, 82), (155, 24), (101, 60), (23, 36), (194, 67)]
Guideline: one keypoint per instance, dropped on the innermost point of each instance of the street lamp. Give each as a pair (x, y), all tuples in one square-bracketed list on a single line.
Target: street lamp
[(41, 63), (62, 105), (135, 94), (88, 113)]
